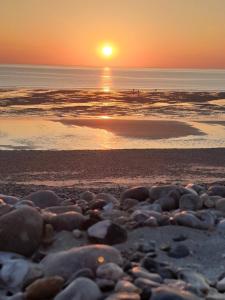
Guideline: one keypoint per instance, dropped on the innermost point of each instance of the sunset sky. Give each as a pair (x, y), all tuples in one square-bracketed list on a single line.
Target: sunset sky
[(148, 33)]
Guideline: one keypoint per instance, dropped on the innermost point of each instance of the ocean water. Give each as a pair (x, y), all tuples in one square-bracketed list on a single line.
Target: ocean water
[(25, 76), (61, 108)]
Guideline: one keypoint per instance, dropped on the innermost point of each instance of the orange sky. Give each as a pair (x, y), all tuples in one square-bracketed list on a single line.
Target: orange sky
[(148, 33)]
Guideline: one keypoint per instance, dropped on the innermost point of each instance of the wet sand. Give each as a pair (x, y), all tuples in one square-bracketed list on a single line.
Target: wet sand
[(110, 168)]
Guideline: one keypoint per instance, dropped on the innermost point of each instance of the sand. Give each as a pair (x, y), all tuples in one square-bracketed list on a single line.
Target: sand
[(111, 168)]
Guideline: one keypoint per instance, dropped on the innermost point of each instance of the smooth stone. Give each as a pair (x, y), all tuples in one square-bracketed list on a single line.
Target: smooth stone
[(208, 201), (221, 226), (190, 220), (108, 198), (144, 283), (196, 187), (220, 205), (25, 202), (11, 200), (65, 263), (157, 192), (80, 289), (139, 193), (44, 199), (67, 221), (97, 204), (87, 196), (128, 203), (126, 286), (217, 190), (109, 271), (179, 251), (16, 271), (21, 231), (139, 272), (215, 295), (168, 293), (197, 281), (63, 209), (221, 285), (168, 203), (190, 202), (5, 209), (105, 284), (107, 232), (77, 233), (124, 296), (44, 288)]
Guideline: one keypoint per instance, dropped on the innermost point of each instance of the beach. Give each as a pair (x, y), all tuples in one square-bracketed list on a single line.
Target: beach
[(108, 169)]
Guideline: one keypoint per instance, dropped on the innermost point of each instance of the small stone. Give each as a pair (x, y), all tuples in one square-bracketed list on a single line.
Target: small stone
[(124, 296), (77, 233), (146, 284), (109, 271), (44, 288), (168, 203), (139, 272)]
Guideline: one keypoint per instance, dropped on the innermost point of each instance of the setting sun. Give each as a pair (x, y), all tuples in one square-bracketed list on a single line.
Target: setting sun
[(107, 50)]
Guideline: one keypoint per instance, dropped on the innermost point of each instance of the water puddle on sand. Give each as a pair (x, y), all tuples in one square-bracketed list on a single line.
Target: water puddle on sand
[(35, 133)]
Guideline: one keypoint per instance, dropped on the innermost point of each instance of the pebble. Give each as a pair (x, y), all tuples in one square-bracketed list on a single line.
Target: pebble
[(44, 199), (167, 293), (190, 202), (109, 271), (44, 288), (126, 286), (139, 193), (67, 221), (124, 296)]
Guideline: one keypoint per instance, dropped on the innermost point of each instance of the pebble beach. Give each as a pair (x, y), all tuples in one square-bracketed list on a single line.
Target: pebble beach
[(152, 242)]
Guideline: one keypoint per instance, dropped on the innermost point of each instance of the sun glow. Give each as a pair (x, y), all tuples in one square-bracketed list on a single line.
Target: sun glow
[(107, 50)]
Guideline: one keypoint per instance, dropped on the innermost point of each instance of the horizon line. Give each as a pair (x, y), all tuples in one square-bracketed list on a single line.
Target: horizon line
[(110, 67)]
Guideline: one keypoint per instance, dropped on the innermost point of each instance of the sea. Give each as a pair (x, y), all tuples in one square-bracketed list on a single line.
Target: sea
[(79, 108)]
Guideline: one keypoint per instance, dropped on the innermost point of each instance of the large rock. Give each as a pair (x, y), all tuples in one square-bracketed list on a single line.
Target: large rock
[(190, 202), (106, 232), (66, 263), (67, 221), (80, 289), (217, 190), (139, 193), (44, 199), (21, 231)]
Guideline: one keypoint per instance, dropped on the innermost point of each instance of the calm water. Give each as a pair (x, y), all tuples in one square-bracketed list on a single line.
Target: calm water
[(51, 107), (105, 78)]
